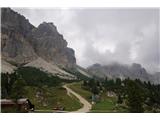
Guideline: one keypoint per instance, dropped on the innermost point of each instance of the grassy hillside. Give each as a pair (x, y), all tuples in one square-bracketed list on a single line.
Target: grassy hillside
[(106, 104), (78, 89), (43, 90), (48, 98)]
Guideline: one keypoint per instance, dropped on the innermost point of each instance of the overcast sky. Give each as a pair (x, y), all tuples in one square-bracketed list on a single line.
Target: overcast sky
[(105, 35)]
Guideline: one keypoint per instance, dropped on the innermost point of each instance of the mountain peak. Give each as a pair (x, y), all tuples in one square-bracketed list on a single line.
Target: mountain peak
[(47, 28), (47, 25), (23, 43), (96, 65), (133, 71), (136, 65)]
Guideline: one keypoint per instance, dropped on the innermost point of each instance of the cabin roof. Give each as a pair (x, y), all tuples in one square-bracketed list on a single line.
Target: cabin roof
[(9, 101)]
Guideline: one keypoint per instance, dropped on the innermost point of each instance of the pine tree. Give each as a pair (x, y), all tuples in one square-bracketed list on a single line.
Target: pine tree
[(134, 97), (18, 88)]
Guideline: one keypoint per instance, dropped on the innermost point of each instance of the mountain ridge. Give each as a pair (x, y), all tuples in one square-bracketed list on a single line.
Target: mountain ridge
[(134, 71), (27, 45), (24, 44)]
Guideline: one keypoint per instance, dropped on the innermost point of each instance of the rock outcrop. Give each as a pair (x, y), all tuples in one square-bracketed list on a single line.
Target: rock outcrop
[(23, 43), (42, 47), (51, 46), (6, 67), (14, 31)]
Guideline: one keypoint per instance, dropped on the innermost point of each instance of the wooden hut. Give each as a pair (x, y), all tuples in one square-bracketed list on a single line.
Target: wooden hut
[(22, 105)]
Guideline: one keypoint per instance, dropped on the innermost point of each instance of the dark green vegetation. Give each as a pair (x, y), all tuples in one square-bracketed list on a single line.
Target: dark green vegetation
[(36, 77), (46, 93), (123, 96), (103, 104), (12, 86), (42, 89)]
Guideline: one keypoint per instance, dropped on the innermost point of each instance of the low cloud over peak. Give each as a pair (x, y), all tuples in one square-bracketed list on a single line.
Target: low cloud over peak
[(106, 35)]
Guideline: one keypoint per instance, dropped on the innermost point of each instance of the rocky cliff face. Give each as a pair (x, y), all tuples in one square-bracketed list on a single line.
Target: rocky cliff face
[(133, 71), (51, 46), (14, 31), (23, 43)]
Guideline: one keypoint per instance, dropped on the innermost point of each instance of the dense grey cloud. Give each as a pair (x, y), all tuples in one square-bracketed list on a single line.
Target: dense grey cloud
[(105, 35)]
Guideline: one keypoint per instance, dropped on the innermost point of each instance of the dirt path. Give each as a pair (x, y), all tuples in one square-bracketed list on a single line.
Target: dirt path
[(86, 105)]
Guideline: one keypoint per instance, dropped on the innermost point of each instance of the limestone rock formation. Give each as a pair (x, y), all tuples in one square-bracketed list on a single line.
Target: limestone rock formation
[(51, 46), (14, 31), (23, 43), (6, 67)]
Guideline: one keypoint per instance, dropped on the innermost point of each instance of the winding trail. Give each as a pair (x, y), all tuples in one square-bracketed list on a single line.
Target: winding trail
[(86, 105)]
